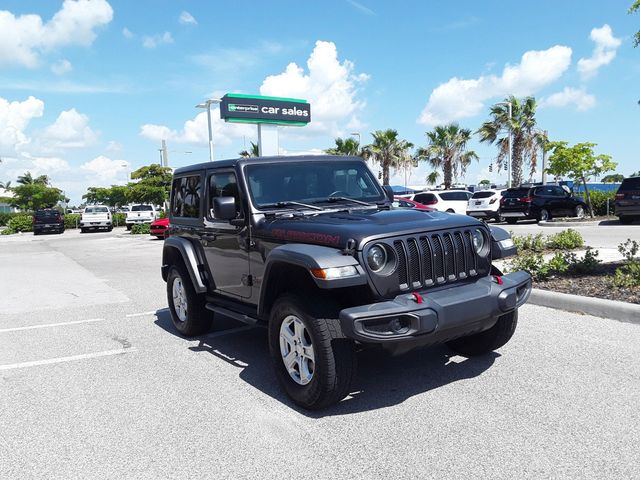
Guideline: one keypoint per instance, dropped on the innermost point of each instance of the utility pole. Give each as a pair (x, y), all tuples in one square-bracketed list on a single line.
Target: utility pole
[(544, 157), (509, 106), (164, 154)]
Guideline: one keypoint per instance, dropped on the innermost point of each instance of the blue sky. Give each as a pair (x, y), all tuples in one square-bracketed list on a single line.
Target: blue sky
[(88, 89)]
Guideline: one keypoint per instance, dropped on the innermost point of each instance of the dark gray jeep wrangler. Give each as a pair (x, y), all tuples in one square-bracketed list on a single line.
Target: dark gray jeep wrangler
[(312, 248)]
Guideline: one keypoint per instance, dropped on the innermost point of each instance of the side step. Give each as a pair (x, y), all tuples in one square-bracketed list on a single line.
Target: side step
[(241, 317)]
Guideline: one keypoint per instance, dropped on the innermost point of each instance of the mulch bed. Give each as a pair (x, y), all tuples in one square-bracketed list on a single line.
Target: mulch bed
[(592, 285)]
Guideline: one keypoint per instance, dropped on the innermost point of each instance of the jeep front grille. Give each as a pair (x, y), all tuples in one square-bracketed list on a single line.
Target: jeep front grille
[(427, 260)]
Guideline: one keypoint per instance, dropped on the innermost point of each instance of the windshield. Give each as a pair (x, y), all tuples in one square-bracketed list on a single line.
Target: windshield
[(47, 213), (516, 193), (96, 210), (485, 194), (632, 183), (142, 208), (311, 182)]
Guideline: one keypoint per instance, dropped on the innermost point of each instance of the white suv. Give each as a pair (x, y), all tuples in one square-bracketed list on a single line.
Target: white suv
[(453, 201), (486, 204)]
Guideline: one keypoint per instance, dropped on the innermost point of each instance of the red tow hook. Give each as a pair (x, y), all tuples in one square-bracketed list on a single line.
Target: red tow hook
[(497, 279), (417, 298)]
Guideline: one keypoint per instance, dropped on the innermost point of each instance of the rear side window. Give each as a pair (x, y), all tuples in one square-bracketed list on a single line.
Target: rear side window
[(516, 193), (96, 210), (424, 198), (185, 197), (454, 196), (630, 184), (484, 194)]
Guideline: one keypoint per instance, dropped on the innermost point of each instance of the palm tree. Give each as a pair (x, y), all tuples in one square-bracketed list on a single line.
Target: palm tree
[(389, 151), (432, 178), (526, 139), (447, 150), (347, 146), (28, 179), (5, 185), (254, 151)]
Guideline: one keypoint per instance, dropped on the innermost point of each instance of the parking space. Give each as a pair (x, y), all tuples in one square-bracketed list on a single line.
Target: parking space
[(99, 385)]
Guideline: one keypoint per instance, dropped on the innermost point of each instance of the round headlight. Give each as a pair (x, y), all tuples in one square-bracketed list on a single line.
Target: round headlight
[(377, 258), (478, 241)]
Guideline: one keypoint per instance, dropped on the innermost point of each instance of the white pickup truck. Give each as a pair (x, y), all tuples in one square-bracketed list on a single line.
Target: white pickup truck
[(96, 217), (140, 214)]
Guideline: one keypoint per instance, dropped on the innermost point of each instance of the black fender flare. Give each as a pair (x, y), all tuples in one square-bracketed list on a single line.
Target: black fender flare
[(311, 257), (190, 258), (500, 245)]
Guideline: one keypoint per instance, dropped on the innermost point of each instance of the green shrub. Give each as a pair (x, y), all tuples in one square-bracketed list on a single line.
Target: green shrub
[(599, 201), (532, 263), (586, 264), (140, 229), (529, 243), (71, 220), (565, 240), (7, 231), (21, 223), (162, 214), (118, 219), (628, 276), (6, 216)]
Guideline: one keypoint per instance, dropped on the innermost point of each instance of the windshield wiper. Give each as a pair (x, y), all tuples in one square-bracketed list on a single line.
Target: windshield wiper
[(291, 204), (347, 199)]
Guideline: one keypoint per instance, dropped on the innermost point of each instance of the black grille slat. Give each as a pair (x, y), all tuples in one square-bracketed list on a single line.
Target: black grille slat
[(438, 259), (458, 246), (414, 263), (427, 261), (473, 263), (449, 257), (402, 264)]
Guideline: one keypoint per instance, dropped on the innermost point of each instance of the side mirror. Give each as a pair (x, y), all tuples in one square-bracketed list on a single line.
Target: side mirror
[(389, 192), (224, 208)]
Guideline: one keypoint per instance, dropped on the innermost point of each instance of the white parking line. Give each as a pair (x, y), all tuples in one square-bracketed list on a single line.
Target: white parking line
[(73, 358), (49, 325), (143, 314)]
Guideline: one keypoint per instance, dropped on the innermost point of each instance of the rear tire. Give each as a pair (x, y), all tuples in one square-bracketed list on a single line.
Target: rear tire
[(129, 227), (324, 380), (450, 210), (187, 308), (626, 220), (579, 211), (83, 230), (511, 221), (489, 340)]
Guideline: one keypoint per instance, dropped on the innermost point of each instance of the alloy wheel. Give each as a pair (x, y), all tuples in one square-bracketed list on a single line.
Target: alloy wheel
[(296, 349), (179, 299)]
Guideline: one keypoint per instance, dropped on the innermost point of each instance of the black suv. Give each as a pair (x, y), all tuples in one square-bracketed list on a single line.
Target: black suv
[(48, 220), (312, 248), (628, 200), (540, 203)]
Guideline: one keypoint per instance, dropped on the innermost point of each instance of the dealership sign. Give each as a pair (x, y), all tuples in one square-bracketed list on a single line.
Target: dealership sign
[(236, 107)]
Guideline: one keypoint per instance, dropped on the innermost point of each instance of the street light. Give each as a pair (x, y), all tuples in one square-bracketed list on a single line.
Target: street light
[(207, 105), (508, 104), (354, 134)]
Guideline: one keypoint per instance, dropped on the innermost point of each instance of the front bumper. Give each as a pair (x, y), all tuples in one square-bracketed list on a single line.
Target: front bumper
[(443, 314)]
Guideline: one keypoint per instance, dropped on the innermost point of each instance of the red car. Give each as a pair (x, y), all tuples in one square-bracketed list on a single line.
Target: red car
[(406, 203), (159, 227)]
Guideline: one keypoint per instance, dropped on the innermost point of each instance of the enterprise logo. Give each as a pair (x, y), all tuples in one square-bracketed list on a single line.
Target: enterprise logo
[(237, 107)]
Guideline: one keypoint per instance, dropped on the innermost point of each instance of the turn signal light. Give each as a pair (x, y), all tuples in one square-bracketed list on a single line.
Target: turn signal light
[(619, 196), (334, 272)]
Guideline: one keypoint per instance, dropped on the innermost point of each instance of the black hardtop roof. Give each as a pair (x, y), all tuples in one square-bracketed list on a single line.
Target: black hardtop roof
[(253, 160)]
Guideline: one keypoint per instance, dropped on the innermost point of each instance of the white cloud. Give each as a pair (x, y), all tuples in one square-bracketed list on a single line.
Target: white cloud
[(187, 19), (570, 96), (126, 33), (460, 98), (603, 53), (14, 119), (103, 171), (196, 131), (70, 130), (47, 165), (24, 38), (61, 67), (154, 41), (330, 86)]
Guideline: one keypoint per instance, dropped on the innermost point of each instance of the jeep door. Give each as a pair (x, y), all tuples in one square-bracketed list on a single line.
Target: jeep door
[(225, 242)]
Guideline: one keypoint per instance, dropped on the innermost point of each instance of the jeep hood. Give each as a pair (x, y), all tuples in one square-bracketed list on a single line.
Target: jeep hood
[(335, 228)]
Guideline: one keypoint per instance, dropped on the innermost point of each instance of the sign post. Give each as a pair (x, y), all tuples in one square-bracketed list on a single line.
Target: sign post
[(267, 113)]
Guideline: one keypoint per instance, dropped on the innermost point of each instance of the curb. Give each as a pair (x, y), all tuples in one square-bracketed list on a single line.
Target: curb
[(594, 223), (598, 307)]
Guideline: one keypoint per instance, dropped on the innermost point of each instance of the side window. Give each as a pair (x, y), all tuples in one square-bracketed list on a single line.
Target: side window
[(185, 197), (559, 192), (224, 185)]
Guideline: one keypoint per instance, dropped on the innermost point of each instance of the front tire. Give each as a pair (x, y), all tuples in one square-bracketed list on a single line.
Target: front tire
[(313, 363), (579, 211), (129, 227), (187, 308), (543, 216), (511, 220), (626, 220), (489, 340)]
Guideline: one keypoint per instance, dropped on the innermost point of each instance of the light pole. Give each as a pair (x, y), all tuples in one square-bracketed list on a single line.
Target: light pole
[(207, 104), (545, 139), (356, 134), (509, 106)]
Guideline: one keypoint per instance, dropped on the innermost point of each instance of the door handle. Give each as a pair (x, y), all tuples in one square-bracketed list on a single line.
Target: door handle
[(209, 238)]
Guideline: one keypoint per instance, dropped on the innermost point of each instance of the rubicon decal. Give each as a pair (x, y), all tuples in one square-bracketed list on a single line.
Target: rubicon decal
[(315, 237)]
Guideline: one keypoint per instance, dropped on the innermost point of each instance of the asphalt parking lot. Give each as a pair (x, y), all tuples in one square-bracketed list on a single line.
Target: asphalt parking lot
[(95, 383)]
